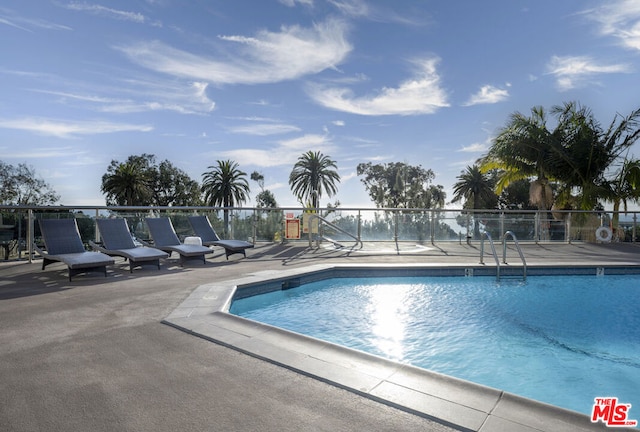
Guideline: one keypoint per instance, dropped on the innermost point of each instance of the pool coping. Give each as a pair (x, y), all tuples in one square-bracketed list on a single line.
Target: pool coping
[(448, 400)]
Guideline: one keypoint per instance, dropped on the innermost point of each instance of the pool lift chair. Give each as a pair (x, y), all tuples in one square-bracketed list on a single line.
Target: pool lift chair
[(63, 244), (117, 241), (165, 238)]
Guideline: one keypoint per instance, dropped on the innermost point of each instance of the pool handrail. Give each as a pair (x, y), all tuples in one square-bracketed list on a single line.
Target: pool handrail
[(493, 251), (337, 228), (504, 251)]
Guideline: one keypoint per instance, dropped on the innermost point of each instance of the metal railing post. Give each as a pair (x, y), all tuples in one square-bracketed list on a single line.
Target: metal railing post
[(254, 231), (96, 231), (395, 226), (30, 235), (432, 226)]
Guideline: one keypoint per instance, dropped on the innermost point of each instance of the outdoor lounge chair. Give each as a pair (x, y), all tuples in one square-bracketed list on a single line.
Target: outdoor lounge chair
[(117, 241), (165, 238), (203, 229), (63, 243)]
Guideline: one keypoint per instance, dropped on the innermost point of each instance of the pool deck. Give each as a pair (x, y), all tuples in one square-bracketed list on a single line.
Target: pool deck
[(96, 354)]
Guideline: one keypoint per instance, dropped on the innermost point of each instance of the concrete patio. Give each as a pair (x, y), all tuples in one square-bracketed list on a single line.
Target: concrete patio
[(93, 354)]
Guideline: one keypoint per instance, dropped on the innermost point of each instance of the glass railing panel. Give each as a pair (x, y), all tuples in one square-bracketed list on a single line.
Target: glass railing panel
[(523, 225), (370, 225), (13, 233)]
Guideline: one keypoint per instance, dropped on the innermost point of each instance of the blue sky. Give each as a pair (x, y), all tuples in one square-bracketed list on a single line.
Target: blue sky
[(263, 81)]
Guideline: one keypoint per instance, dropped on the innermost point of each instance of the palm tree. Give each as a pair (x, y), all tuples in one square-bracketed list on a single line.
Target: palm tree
[(623, 132), (524, 148), (128, 184), (313, 174), (585, 154), (225, 185), (624, 187), (476, 188), (575, 155)]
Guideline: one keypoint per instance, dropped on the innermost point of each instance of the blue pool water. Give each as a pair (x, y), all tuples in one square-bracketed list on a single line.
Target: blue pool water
[(563, 340)]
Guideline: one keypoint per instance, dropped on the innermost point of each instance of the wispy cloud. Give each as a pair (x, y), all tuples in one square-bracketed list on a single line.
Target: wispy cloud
[(292, 3), (462, 163), (361, 9), (142, 96), (267, 57), (284, 152), (264, 129), (619, 19), (576, 71), (353, 8), (161, 95), (487, 94), (475, 148), (10, 18), (43, 152), (100, 10), (422, 94), (69, 129)]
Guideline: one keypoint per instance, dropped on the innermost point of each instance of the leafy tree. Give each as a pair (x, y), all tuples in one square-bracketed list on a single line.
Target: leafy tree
[(516, 196), (19, 185), (173, 187), (398, 185), (312, 175), (258, 178), (140, 181), (434, 197), (265, 198), (225, 185)]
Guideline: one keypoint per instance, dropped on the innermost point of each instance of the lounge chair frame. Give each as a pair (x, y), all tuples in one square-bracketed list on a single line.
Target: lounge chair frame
[(165, 238), (117, 241), (63, 244), (203, 229)]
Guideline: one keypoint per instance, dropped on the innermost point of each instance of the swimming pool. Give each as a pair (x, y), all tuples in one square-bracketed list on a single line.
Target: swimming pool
[(558, 339)]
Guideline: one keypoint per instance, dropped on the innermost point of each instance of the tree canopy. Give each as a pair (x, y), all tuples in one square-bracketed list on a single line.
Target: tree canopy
[(399, 185), (577, 155), (19, 185), (265, 198), (225, 185), (313, 175), (140, 181), (476, 188)]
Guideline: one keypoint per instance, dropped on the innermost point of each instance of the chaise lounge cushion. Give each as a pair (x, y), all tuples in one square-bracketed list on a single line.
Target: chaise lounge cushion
[(165, 238), (117, 241), (63, 244)]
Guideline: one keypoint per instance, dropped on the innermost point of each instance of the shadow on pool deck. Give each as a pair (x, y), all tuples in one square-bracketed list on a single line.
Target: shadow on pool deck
[(92, 355)]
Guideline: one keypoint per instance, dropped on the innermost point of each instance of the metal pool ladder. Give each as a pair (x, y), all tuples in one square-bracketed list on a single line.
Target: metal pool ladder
[(504, 251), (493, 251)]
